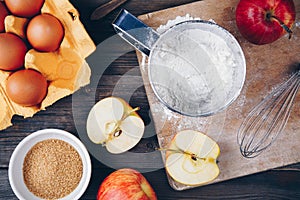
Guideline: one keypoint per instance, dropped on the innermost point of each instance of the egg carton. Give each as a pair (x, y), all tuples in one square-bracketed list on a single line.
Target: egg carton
[(65, 69)]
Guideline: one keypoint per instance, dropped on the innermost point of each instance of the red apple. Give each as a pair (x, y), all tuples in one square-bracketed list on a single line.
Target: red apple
[(126, 184), (264, 21), (3, 14)]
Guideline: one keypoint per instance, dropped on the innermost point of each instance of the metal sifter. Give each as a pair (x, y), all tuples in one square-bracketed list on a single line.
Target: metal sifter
[(188, 73)]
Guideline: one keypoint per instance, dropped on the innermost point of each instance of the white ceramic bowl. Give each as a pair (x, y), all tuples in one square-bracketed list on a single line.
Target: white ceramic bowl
[(15, 171)]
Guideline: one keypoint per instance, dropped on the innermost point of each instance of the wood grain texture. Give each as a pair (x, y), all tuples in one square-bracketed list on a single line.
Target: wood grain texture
[(273, 184), (267, 67), (104, 9)]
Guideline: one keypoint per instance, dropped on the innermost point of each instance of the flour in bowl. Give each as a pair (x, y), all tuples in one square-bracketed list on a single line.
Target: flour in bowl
[(193, 69)]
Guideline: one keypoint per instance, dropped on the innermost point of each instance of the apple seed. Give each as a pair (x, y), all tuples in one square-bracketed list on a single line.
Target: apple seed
[(114, 127), (193, 156), (118, 133)]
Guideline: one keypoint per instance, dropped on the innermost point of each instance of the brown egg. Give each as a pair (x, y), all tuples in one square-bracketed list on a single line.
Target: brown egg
[(26, 87), (3, 14), (12, 51), (24, 8), (45, 33)]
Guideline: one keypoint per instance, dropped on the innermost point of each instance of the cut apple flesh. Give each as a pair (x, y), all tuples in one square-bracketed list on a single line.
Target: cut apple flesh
[(103, 113), (113, 123), (197, 143), (130, 133), (191, 158), (187, 171)]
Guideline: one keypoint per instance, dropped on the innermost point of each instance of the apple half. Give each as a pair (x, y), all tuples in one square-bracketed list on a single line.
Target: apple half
[(191, 158), (113, 123)]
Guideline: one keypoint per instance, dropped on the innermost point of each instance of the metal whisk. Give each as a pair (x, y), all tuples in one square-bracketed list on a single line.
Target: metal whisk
[(267, 120)]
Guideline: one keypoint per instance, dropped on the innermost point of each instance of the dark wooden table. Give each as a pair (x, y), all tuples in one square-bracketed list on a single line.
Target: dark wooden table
[(281, 183)]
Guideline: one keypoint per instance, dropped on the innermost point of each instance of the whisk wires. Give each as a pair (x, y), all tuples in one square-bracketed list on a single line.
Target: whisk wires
[(266, 121)]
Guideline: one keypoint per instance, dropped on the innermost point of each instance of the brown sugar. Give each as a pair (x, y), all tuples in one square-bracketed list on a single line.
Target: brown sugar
[(52, 169)]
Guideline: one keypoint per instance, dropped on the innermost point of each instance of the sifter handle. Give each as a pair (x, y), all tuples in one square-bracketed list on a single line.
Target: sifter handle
[(135, 32)]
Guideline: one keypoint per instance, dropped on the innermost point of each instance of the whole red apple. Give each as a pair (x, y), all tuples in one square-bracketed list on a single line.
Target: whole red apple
[(264, 21), (126, 184)]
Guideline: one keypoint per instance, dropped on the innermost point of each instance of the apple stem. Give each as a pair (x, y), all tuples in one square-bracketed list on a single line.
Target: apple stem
[(283, 25), (133, 110), (129, 113), (193, 156)]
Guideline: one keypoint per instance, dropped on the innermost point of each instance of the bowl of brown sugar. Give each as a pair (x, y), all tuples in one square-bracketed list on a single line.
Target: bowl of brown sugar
[(49, 164)]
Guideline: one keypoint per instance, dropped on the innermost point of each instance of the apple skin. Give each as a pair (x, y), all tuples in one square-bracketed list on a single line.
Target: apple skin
[(3, 14), (126, 184), (253, 22)]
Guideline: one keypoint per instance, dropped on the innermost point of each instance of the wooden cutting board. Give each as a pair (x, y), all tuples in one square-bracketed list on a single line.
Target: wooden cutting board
[(267, 67)]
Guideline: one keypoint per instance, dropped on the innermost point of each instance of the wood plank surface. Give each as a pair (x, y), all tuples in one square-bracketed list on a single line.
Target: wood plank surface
[(267, 67)]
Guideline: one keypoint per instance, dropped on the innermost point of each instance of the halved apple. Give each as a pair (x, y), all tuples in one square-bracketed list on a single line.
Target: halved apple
[(113, 123), (191, 158)]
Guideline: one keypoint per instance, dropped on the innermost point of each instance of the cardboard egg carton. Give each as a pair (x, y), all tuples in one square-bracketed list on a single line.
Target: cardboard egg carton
[(66, 69)]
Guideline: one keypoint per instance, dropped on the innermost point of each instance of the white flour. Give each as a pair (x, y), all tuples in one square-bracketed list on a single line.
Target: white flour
[(192, 70), (162, 28)]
